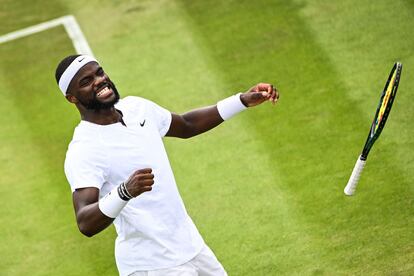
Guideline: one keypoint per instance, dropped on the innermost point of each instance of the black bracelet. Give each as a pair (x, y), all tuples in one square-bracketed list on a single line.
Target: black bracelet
[(126, 190), (123, 192)]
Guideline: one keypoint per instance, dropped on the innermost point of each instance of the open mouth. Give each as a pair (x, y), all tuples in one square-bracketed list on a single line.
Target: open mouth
[(104, 92)]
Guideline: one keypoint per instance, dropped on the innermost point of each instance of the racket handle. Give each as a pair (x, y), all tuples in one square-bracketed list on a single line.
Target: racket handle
[(353, 180)]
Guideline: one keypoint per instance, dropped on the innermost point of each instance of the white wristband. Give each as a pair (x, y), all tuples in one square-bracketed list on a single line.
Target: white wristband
[(230, 106), (111, 204)]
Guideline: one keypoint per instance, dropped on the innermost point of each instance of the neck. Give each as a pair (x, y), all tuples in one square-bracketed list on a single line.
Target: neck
[(101, 117)]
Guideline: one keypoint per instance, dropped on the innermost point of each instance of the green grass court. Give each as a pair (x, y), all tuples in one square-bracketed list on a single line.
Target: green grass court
[(266, 188)]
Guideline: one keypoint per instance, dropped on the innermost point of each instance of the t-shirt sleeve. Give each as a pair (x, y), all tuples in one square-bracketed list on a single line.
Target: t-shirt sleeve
[(85, 169), (162, 117)]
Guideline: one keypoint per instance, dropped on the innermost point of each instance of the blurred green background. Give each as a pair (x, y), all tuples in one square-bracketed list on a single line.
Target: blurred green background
[(265, 188)]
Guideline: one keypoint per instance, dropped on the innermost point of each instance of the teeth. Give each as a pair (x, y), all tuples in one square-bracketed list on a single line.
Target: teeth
[(106, 89)]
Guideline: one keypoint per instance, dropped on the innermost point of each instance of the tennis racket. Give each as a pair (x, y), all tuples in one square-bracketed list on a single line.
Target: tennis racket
[(381, 115)]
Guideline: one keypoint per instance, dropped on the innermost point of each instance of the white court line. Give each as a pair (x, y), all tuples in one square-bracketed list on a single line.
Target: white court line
[(71, 26)]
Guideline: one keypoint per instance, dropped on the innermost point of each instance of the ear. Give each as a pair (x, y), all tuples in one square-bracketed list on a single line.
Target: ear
[(71, 99)]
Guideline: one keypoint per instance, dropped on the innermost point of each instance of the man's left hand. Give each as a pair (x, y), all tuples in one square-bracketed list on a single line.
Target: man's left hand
[(260, 93)]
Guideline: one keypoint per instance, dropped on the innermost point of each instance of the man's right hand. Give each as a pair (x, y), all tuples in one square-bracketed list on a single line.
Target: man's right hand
[(140, 181)]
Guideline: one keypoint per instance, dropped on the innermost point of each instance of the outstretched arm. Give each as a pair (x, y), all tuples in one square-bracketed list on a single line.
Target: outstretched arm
[(203, 119)]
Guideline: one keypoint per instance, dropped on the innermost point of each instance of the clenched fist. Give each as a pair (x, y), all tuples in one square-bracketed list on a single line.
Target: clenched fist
[(139, 182), (260, 93)]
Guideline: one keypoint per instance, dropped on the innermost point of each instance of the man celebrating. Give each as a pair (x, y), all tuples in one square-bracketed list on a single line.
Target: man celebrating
[(119, 171)]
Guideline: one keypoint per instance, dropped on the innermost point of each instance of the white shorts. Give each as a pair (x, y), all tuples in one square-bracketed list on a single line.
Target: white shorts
[(204, 264)]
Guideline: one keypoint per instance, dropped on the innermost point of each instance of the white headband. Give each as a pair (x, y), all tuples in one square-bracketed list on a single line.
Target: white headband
[(71, 71)]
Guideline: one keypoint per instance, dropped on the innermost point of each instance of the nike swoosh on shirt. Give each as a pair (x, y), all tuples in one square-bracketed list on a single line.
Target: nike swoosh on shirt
[(142, 124)]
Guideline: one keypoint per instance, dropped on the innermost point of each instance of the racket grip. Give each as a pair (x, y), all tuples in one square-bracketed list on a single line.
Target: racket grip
[(353, 180)]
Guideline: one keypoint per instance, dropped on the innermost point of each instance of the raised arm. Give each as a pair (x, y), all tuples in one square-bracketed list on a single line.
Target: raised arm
[(94, 215), (203, 119)]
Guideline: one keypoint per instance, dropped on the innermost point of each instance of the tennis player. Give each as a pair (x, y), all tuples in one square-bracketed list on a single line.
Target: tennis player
[(119, 172)]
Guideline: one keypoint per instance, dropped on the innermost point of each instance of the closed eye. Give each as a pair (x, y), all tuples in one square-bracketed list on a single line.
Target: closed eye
[(100, 71), (85, 81)]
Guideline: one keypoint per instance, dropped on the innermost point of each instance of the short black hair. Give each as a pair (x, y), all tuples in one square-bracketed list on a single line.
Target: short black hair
[(63, 65)]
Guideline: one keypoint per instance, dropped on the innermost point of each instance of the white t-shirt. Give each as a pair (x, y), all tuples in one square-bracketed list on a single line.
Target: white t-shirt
[(154, 229)]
